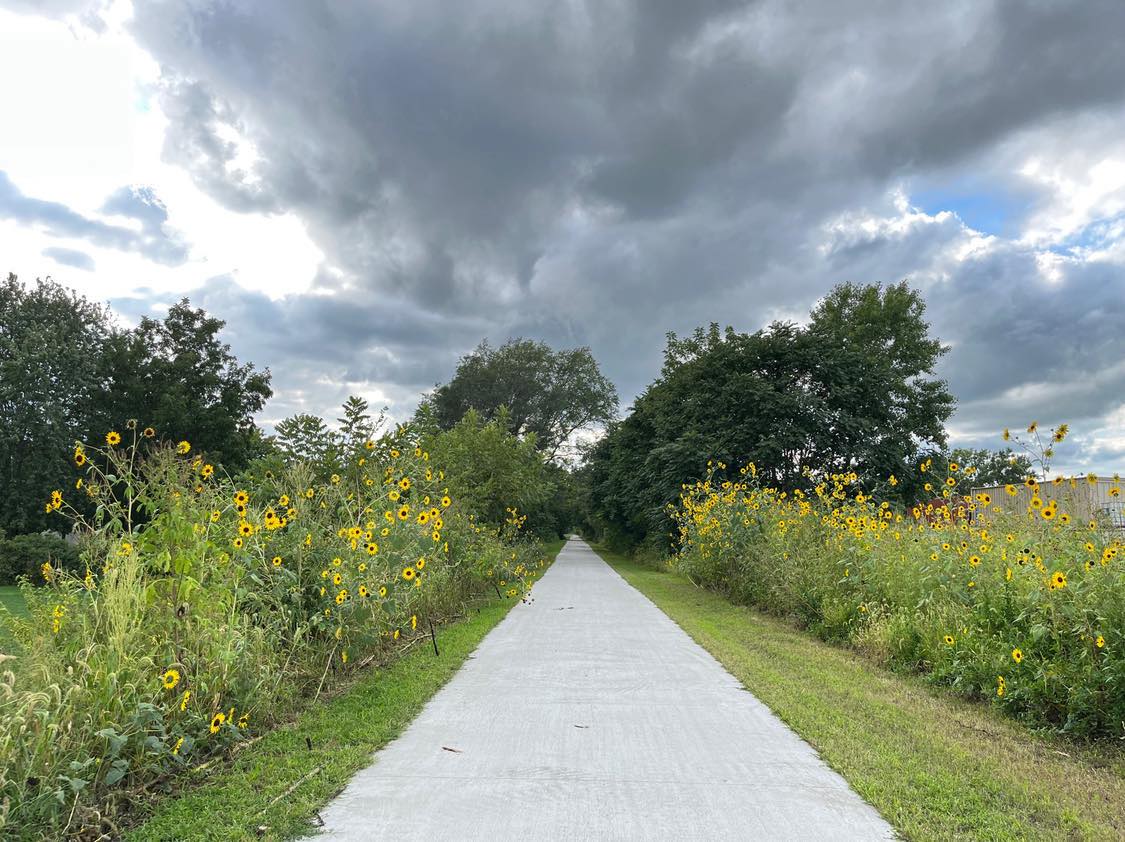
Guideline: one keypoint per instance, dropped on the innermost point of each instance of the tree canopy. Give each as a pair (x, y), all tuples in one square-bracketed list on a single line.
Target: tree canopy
[(68, 373), (176, 375), (853, 390), (50, 346), (547, 394)]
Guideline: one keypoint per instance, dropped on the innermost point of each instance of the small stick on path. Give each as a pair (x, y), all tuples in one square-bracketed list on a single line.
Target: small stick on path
[(433, 638)]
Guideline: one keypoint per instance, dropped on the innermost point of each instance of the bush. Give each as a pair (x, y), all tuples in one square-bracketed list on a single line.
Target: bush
[(1026, 609), (25, 555), (233, 601)]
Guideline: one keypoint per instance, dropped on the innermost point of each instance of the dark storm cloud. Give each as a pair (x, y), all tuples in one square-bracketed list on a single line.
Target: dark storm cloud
[(151, 241), (600, 173), (70, 257)]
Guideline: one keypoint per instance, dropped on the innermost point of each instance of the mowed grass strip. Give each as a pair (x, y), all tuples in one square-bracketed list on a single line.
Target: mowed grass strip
[(12, 599), (280, 782), (935, 766)]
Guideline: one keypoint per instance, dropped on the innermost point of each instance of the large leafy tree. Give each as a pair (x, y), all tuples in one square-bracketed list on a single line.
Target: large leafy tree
[(50, 343), (548, 394), (853, 390), (176, 375), (992, 467)]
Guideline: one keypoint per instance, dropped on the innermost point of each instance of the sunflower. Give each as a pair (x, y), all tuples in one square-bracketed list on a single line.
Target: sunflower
[(423, 517), (404, 483), (245, 529), (238, 542), (217, 722), (974, 560), (207, 471), (949, 641), (113, 438), (1100, 642), (276, 561), (393, 495), (383, 592), (310, 493), (404, 512), (446, 502), (371, 547), (170, 678), (363, 592), (241, 498), (408, 573), (148, 432), (183, 448), (342, 596), (1017, 655), (1010, 490), (1048, 512), (1058, 580), (421, 563), (337, 579), (79, 458)]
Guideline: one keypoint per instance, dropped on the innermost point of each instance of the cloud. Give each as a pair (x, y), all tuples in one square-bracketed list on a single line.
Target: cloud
[(602, 173), (70, 257), (152, 240)]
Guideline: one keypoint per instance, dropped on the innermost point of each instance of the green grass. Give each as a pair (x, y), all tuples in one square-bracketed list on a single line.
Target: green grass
[(12, 599), (317, 755), (935, 766)]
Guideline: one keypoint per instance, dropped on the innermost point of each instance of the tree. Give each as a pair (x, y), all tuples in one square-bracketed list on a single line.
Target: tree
[(488, 468), (854, 390), (177, 376), (992, 467), (50, 343), (548, 394), (306, 438)]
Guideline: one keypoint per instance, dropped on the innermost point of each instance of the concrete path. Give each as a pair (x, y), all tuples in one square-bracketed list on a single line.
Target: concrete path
[(589, 715)]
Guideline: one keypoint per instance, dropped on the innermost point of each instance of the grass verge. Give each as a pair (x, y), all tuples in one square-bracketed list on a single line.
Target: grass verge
[(935, 766), (12, 599), (283, 779)]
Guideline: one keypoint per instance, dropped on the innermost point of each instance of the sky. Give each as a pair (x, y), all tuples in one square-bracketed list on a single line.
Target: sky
[(366, 190)]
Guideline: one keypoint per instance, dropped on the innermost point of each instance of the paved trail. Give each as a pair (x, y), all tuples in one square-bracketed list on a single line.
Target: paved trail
[(589, 715)]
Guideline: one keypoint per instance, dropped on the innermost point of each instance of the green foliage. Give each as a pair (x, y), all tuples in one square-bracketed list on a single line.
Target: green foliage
[(68, 374), (50, 343), (1026, 609), (548, 394), (205, 611), (179, 376), (490, 467), (992, 467), (25, 555), (853, 390), (307, 438)]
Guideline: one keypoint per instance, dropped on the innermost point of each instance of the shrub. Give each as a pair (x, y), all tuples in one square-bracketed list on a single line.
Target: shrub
[(24, 555), (205, 608), (1026, 609)]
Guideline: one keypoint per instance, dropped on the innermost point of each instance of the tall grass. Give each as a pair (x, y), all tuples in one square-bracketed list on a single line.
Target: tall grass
[(1023, 608), (208, 607)]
